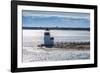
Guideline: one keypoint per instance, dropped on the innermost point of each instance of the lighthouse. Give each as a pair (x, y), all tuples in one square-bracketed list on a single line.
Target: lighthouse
[(48, 40)]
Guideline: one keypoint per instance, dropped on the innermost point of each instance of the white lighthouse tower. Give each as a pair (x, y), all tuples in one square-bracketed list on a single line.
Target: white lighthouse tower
[(48, 41)]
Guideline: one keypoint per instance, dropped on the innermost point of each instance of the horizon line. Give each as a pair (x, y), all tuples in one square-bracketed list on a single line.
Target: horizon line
[(56, 28)]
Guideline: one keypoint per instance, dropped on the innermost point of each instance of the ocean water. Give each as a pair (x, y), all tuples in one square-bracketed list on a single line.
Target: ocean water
[(32, 38)]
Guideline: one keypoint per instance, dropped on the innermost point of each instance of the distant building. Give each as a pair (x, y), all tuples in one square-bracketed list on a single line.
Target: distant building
[(48, 41)]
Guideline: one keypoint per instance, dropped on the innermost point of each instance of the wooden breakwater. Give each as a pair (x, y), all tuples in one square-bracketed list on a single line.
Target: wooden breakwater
[(73, 45)]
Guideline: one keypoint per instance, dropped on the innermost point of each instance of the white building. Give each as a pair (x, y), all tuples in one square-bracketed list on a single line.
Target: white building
[(48, 41)]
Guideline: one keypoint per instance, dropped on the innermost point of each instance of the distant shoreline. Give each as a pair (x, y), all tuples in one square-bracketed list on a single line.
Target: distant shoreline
[(55, 28)]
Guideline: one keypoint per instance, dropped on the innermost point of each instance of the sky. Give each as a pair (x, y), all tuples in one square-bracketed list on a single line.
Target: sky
[(32, 18)]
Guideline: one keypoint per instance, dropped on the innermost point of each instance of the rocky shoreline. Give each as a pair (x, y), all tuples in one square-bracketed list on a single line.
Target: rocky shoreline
[(73, 45)]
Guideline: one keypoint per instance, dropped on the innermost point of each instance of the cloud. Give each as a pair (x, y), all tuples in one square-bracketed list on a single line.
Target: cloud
[(47, 14)]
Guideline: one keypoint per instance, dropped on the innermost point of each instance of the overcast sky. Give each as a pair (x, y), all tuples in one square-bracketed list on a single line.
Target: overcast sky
[(52, 19)]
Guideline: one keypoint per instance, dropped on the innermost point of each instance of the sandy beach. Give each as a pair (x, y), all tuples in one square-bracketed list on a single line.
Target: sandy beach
[(53, 54)]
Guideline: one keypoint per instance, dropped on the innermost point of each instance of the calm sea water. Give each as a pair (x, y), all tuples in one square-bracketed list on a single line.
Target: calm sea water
[(36, 37)]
